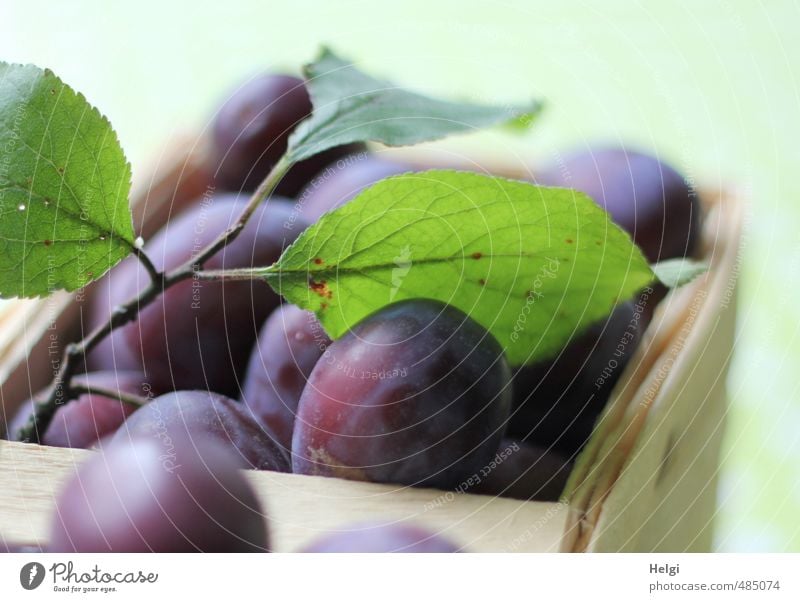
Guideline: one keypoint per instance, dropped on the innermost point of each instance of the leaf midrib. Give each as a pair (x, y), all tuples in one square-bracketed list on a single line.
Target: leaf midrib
[(278, 270)]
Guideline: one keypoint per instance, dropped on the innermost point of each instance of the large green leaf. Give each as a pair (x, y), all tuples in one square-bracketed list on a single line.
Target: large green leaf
[(64, 183), (351, 106), (534, 265)]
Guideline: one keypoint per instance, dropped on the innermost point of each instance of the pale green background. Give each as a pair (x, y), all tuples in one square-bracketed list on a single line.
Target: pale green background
[(711, 85)]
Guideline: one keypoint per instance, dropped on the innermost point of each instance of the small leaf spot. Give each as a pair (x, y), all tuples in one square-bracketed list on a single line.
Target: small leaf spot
[(569, 241), (321, 288), (318, 261), (370, 269), (61, 170), (47, 242)]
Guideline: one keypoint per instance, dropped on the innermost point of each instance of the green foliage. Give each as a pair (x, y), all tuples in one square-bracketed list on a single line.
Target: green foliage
[(64, 183), (677, 272), (531, 264), (351, 106)]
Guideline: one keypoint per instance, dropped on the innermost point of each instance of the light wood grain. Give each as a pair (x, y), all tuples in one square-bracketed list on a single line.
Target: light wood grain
[(33, 333), (298, 508), (647, 479)]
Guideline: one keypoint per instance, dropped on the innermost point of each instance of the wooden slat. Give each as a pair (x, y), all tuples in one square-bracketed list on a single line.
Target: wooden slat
[(647, 479), (298, 508), (27, 349)]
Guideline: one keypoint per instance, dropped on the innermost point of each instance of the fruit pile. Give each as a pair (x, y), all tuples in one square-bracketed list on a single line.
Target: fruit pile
[(416, 394)]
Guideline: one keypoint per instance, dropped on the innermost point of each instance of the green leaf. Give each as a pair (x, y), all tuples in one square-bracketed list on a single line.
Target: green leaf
[(676, 272), (64, 182), (350, 106), (534, 265)]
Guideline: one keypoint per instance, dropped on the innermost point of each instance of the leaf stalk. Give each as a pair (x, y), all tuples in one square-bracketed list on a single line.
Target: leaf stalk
[(62, 390)]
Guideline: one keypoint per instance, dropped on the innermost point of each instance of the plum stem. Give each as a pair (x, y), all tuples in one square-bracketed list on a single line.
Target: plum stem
[(233, 274), (77, 388), (75, 353), (155, 276), (263, 191)]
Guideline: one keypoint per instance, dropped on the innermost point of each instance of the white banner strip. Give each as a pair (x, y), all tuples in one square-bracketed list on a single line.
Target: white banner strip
[(399, 577)]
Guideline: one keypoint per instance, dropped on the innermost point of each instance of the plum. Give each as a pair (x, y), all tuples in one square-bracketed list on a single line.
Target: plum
[(557, 401), (190, 414), (142, 495), (525, 472), (343, 180), (289, 346), (90, 417), (416, 393), (380, 538), (646, 197), (251, 131), (197, 334)]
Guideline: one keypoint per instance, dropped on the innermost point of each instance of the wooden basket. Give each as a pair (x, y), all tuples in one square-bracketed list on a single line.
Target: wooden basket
[(646, 481)]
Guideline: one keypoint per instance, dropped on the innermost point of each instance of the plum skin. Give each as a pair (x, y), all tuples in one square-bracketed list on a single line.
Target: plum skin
[(646, 197), (138, 496), (190, 414), (416, 394), (251, 132), (340, 182), (557, 401), (83, 421), (524, 471), (197, 334), (382, 538), (289, 345)]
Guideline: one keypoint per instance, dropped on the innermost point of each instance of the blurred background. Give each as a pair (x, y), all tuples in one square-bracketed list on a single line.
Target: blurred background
[(711, 86)]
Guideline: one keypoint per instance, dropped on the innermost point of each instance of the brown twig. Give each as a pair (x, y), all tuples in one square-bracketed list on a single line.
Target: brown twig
[(61, 389), (79, 388)]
